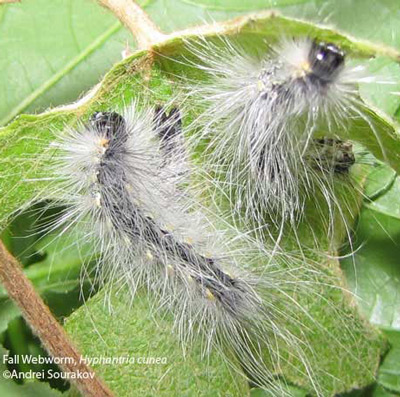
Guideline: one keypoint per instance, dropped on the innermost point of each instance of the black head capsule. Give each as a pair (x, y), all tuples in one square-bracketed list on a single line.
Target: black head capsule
[(111, 125), (326, 60)]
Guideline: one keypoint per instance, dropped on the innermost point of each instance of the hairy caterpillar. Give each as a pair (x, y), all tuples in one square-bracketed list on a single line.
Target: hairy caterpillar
[(117, 177), (265, 117)]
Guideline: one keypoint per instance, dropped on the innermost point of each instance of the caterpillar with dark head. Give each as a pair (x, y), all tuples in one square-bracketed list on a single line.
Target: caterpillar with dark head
[(261, 117), (116, 177)]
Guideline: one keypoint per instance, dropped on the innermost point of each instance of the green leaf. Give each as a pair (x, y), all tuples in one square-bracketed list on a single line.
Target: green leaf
[(373, 273), (238, 5), (8, 312), (378, 21), (386, 204), (52, 51), (109, 327), (289, 390), (382, 392), (389, 371), (357, 347), (379, 181), (61, 268), (384, 93)]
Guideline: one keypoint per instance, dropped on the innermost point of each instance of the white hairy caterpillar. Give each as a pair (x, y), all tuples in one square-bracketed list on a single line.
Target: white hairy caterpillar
[(118, 183), (264, 118)]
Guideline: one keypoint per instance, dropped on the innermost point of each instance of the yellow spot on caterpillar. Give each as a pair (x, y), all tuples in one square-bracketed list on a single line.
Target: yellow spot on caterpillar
[(303, 69), (209, 295), (109, 224), (170, 270), (97, 199), (149, 255), (103, 142), (189, 240), (169, 228), (260, 85)]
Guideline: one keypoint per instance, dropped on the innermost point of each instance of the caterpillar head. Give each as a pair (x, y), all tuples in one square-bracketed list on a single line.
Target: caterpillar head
[(326, 60), (110, 125), (302, 68)]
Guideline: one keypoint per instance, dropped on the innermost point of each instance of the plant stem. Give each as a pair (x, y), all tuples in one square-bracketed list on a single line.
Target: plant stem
[(136, 20)]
